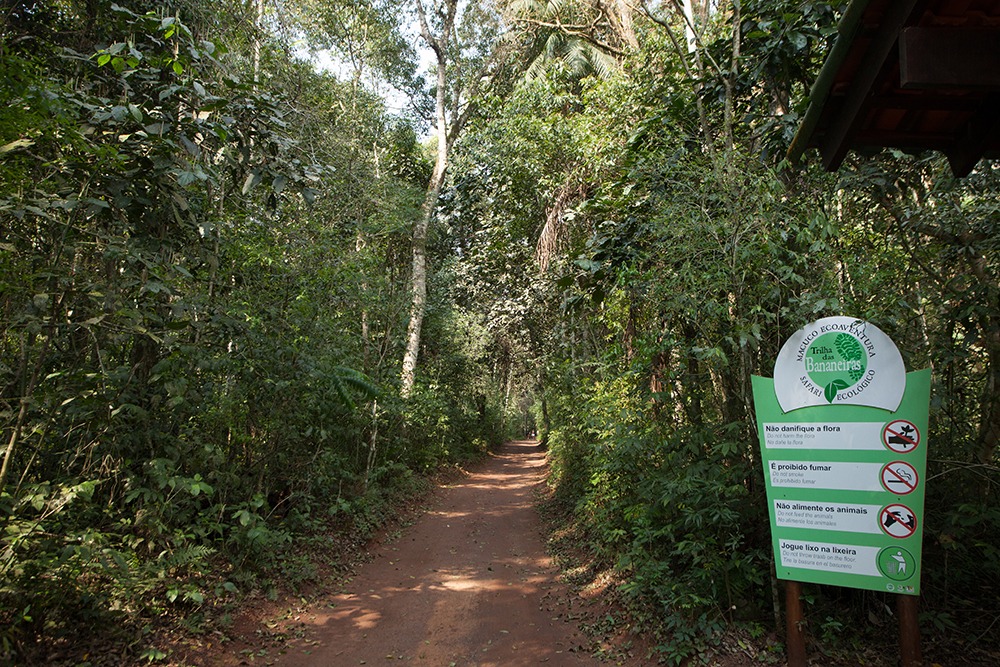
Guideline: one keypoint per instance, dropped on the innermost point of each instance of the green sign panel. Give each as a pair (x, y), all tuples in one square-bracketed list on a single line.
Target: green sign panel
[(845, 479)]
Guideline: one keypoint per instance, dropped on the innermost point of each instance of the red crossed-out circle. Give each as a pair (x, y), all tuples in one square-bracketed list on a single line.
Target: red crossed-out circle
[(901, 436), (899, 477), (897, 521)]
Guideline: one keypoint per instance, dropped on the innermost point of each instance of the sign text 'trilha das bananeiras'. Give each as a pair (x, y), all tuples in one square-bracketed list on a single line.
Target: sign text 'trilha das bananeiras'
[(843, 435)]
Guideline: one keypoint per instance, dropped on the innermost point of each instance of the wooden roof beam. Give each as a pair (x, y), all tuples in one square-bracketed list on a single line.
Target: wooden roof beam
[(837, 140), (943, 58), (981, 134), (963, 103), (905, 141)]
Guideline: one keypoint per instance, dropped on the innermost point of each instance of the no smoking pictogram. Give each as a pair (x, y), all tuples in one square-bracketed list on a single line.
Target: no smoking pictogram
[(901, 436), (898, 521), (899, 477)]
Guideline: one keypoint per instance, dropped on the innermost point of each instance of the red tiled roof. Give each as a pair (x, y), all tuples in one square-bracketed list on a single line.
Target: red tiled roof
[(910, 74)]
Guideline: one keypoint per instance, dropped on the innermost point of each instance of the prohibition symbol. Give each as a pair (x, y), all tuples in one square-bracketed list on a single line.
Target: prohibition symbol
[(899, 477), (898, 521), (901, 436)]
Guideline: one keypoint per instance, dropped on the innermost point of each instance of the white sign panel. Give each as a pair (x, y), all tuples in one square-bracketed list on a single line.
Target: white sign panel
[(839, 361)]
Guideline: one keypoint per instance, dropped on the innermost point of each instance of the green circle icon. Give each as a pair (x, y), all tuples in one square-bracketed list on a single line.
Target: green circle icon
[(896, 563), (835, 361)]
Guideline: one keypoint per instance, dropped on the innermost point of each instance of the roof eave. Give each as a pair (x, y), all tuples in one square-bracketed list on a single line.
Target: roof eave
[(847, 29)]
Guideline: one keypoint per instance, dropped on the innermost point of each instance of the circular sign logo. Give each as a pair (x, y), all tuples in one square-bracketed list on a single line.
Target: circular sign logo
[(839, 361), (835, 361)]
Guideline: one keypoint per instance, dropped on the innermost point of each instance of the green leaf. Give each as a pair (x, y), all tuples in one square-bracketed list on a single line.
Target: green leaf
[(14, 145), (830, 392), (152, 655), (201, 487), (156, 129), (168, 91), (253, 178)]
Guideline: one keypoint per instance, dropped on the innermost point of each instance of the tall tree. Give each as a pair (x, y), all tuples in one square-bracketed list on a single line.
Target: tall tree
[(439, 43), (467, 59)]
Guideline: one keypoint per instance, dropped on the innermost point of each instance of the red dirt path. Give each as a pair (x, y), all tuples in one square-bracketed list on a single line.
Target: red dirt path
[(468, 584)]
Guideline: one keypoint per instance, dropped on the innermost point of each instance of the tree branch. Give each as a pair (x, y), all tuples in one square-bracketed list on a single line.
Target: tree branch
[(584, 32)]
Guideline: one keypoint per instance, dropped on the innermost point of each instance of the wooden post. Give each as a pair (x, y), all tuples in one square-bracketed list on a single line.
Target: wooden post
[(909, 631), (795, 638)]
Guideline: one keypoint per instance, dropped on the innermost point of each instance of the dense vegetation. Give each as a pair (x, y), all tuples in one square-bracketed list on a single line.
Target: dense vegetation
[(206, 287)]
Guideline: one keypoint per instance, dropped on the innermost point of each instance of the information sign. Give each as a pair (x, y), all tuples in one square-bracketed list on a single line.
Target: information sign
[(844, 467)]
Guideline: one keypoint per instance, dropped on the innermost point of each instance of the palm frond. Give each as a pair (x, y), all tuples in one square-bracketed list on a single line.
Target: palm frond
[(342, 378)]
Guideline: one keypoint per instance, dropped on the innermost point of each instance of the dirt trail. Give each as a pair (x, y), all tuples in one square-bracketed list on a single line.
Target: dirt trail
[(468, 584)]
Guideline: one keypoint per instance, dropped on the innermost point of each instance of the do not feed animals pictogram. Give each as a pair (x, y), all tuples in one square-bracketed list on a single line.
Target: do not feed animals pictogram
[(898, 521)]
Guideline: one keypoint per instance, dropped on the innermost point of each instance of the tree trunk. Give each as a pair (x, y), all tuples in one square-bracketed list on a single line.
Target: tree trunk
[(620, 14), (418, 279)]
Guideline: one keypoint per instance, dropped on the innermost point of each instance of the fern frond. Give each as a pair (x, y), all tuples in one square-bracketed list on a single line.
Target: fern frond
[(185, 556)]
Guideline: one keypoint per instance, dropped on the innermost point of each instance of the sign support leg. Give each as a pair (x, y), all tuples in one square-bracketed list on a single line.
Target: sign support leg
[(795, 638), (909, 630)]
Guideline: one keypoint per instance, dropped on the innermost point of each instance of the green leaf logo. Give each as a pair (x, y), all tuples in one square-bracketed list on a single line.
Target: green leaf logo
[(830, 392)]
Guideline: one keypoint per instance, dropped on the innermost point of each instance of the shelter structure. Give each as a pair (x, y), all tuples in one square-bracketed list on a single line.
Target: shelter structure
[(910, 74)]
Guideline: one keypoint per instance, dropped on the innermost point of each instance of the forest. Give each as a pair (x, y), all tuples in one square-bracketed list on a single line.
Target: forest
[(266, 266)]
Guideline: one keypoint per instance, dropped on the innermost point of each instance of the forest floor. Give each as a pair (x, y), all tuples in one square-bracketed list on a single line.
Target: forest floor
[(469, 582)]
